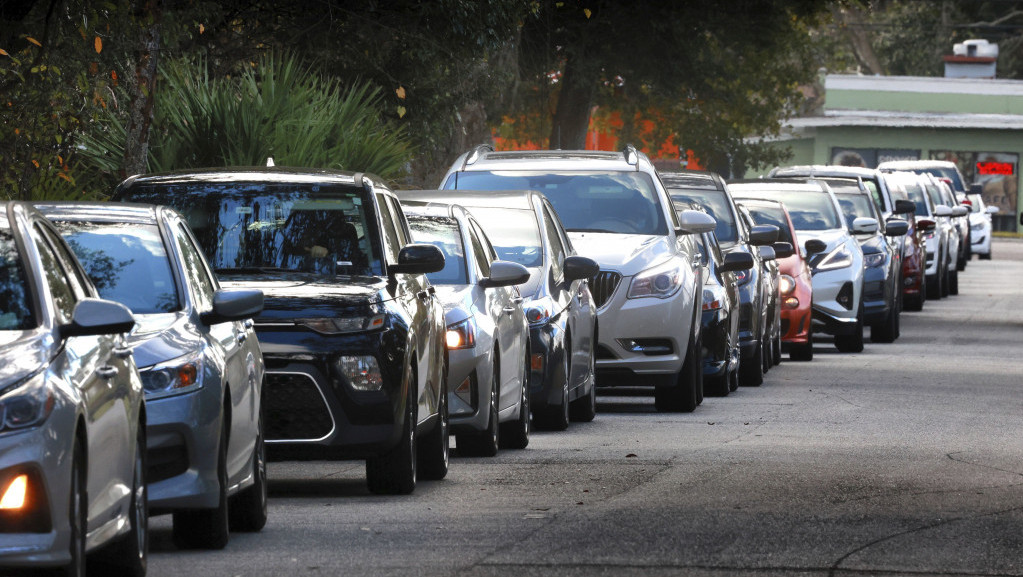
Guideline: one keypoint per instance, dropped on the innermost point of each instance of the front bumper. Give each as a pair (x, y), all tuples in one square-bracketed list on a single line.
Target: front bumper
[(981, 240), (467, 369), (182, 438), (875, 307), (836, 299)]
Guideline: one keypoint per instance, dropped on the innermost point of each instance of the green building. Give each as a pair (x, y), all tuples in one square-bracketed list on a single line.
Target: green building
[(975, 122)]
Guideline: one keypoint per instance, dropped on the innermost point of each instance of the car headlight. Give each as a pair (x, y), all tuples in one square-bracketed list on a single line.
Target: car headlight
[(873, 260), (661, 281), (362, 372), (539, 311), (26, 405), (337, 326), (461, 335), (977, 227), (840, 257), (181, 375), (786, 284)]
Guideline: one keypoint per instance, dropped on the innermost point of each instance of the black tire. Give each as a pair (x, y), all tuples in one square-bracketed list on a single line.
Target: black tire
[(981, 256), (247, 511), (885, 331), (435, 448), (128, 557), (915, 303), (718, 386), (733, 380), (946, 278), (953, 282), (77, 506), (556, 418), (776, 348), (767, 353), (515, 434), (486, 442), (584, 409), (207, 528), (394, 472), (852, 343), (682, 397), (751, 370)]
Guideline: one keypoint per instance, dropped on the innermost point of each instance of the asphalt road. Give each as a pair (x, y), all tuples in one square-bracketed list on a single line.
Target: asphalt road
[(906, 459)]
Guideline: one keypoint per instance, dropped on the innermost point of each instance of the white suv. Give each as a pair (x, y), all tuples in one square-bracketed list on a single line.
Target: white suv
[(649, 288)]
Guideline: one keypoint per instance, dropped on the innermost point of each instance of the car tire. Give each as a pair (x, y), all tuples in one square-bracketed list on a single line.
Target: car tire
[(584, 409), (435, 448), (556, 417), (751, 371), (128, 556), (983, 256), (207, 528), (953, 282), (77, 506), (247, 511), (884, 331), (733, 380), (776, 349), (768, 354), (915, 303), (946, 278), (515, 434), (486, 442), (682, 397), (852, 343), (394, 472), (718, 386)]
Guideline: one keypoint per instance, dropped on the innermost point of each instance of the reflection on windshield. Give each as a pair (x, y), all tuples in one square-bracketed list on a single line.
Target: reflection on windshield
[(808, 210), (854, 206), (249, 228), (515, 234), (15, 312), (772, 215), (442, 232), (716, 204), (127, 262), (618, 202)]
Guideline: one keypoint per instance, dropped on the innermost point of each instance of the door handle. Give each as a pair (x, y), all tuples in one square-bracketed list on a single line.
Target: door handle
[(517, 300), (248, 323), (241, 337), (122, 352), (107, 372), (509, 310)]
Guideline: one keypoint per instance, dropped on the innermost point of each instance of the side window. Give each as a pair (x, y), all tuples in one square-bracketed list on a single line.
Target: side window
[(484, 240), (60, 287), (704, 247), (78, 282), (199, 283), (400, 224), (482, 258), (389, 235), (556, 245)]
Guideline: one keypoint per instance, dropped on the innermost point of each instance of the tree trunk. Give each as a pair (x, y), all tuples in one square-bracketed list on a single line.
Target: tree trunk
[(572, 117), (852, 21), (146, 14)]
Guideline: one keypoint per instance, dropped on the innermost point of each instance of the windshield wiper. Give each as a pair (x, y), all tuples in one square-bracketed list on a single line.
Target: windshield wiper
[(249, 269), (588, 230)]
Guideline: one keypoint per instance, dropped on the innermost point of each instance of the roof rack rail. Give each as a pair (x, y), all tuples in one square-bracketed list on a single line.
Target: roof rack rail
[(475, 154), (631, 155), (361, 180)]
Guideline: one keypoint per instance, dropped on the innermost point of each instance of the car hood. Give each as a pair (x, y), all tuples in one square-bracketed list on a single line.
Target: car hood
[(22, 353), (457, 301), (298, 295), (628, 254), (832, 237), (161, 337)]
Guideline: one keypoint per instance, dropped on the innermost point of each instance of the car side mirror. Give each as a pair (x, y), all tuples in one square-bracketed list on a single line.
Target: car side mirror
[(578, 267), (418, 259), (904, 207), (763, 234), (736, 260), (93, 317), (783, 249), (505, 273), (992, 210), (925, 224), (942, 210), (767, 253), (864, 225), (896, 227), (814, 246), (234, 305), (695, 222), (960, 211)]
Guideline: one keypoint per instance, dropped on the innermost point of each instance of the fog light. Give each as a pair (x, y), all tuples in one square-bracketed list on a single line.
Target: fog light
[(536, 363), (14, 494), (362, 372), (790, 302)]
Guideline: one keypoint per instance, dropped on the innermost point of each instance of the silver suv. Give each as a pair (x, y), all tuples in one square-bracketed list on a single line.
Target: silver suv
[(649, 288)]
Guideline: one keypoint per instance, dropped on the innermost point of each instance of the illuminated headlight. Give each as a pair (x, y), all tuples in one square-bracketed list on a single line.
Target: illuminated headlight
[(13, 496), (660, 281), (539, 311), (713, 298), (841, 257), (180, 375), (786, 284), (362, 372), (977, 227), (873, 259), (461, 335), (338, 326), (26, 405)]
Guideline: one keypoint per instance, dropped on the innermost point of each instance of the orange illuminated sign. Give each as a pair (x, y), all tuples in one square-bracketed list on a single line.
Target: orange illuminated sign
[(998, 168)]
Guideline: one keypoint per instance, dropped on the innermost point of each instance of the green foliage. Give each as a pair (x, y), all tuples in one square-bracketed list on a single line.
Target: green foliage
[(277, 108)]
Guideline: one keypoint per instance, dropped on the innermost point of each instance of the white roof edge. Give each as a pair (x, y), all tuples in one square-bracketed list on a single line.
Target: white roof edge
[(909, 119), (925, 84)]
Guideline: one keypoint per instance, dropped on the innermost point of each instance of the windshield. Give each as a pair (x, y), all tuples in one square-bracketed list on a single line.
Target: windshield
[(617, 202), (948, 173), (716, 204), (514, 233), (253, 227), (855, 206), (15, 311), (775, 215), (809, 210), (128, 263), (442, 232), (935, 194)]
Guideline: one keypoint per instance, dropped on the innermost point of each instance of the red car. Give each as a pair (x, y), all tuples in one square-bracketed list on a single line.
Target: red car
[(914, 262), (795, 286)]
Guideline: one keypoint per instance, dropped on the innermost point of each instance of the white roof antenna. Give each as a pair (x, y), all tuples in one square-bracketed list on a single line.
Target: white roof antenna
[(270, 162)]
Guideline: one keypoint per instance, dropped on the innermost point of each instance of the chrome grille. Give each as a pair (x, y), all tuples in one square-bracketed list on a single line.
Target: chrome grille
[(603, 285), (295, 408)]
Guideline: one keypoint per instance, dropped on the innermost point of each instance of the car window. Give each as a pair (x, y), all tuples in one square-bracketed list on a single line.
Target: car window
[(399, 221), (557, 248), (199, 284), (809, 210), (390, 236), (514, 233), (703, 243), (715, 202), (935, 195), (442, 232), (248, 227), (60, 287), (484, 239), (127, 263), (855, 206), (480, 253), (67, 261), (772, 214), (15, 303), (612, 201)]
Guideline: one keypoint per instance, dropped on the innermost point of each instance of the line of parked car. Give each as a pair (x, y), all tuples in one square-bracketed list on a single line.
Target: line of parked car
[(155, 351)]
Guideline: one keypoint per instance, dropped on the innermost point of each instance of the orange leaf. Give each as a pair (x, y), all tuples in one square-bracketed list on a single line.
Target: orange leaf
[(113, 74), (202, 29), (35, 162), (99, 45), (33, 41), (64, 176), (4, 52), (400, 92)]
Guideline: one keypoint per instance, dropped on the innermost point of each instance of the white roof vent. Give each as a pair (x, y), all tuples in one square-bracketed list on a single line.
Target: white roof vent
[(270, 162), (976, 48)]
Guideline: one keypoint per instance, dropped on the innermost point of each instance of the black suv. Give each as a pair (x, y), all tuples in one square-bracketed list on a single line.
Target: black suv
[(351, 332)]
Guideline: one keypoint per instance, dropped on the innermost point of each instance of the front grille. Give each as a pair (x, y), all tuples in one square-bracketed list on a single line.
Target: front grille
[(603, 286), (295, 408), (604, 353)]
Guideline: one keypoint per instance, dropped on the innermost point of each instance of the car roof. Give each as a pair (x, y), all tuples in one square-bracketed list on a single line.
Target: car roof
[(478, 160), (434, 209), (99, 211), (911, 164), (691, 179), (775, 185), (254, 174), (518, 199), (824, 170)]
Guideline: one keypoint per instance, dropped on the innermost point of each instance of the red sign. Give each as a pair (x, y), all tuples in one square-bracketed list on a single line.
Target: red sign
[(1002, 168)]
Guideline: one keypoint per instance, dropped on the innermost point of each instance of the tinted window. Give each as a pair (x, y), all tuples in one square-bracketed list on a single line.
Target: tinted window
[(60, 288), (515, 234), (15, 303), (480, 254), (915, 194), (199, 282), (716, 204), (304, 227), (127, 263), (948, 173), (556, 246), (442, 232), (771, 214), (390, 237), (618, 202)]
